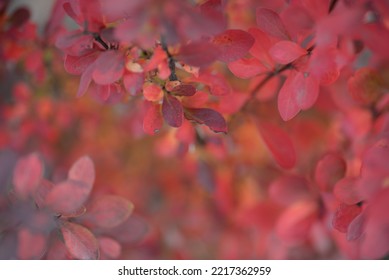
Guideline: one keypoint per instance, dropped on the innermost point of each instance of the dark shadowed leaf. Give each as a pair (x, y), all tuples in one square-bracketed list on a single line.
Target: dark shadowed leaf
[(19, 17), (83, 170), (67, 197), (270, 22), (184, 90), (80, 242), (107, 211), (233, 44), (27, 175), (172, 111), (279, 144), (199, 54), (214, 120)]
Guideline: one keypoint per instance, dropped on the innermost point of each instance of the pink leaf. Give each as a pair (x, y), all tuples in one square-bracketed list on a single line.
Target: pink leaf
[(279, 144), (152, 92), (285, 52), (30, 245), (78, 64), (300, 91), (233, 44), (288, 189), (198, 54), (246, 68), (133, 82), (27, 175), (329, 170), (172, 111), (109, 67), (85, 80), (109, 248), (83, 170), (344, 215), (214, 120), (295, 222), (270, 22), (346, 191), (80, 242), (107, 211), (153, 121), (67, 197), (217, 84)]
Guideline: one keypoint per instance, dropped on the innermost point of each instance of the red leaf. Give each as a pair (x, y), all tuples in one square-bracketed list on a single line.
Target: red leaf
[(107, 211), (27, 175), (271, 23), (346, 191), (300, 91), (78, 64), (30, 245), (288, 189), (344, 215), (80, 242), (217, 84), (279, 144), (152, 121), (109, 67), (285, 52), (172, 111), (246, 68), (109, 248), (67, 197), (83, 170), (233, 44), (214, 120), (295, 222), (329, 170), (184, 90), (199, 54)]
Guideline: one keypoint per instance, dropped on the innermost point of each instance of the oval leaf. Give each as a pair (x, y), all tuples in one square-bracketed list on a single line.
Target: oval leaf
[(270, 22), (214, 120), (67, 197), (279, 144), (198, 54), (80, 242), (344, 215), (107, 211), (153, 121), (83, 170), (172, 111), (233, 44), (109, 67), (27, 175), (329, 170), (285, 52), (246, 68), (78, 64)]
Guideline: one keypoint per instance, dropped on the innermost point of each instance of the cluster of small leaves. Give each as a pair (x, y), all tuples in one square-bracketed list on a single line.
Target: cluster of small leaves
[(40, 219)]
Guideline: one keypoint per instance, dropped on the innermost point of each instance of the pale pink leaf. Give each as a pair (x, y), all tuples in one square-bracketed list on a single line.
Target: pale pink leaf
[(109, 67), (80, 242), (27, 175), (109, 248), (107, 211), (67, 197), (83, 170)]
